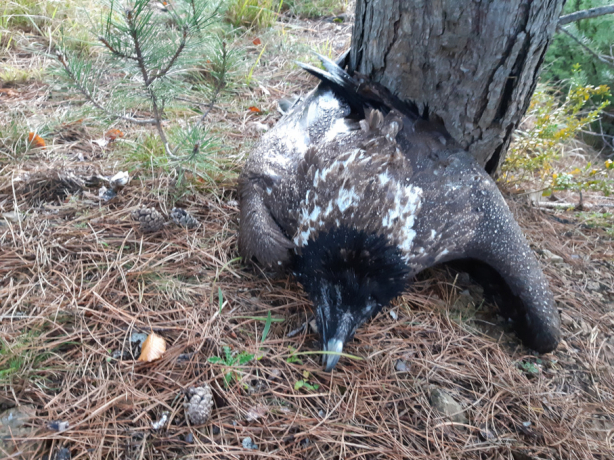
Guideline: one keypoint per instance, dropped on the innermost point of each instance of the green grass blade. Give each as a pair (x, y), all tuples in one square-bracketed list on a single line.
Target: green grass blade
[(345, 355), (267, 326)]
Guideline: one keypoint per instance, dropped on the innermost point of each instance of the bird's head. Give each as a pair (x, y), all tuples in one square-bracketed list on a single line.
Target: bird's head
[(349, 275)]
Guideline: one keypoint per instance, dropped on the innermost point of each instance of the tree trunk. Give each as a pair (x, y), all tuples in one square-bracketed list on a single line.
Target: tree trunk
[(473, 64)]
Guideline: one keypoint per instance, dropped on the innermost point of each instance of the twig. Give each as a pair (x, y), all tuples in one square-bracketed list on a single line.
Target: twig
[(563, 205), (117, 53), (601, 58), (147, 82), (163, 72), (91, 99), (158, 118), (216, 92), (137, 47), (298, 330), (220, 84), (586, 14)]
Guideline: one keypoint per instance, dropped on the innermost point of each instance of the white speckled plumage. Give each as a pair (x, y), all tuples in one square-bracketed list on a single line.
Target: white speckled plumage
[(392, 175)]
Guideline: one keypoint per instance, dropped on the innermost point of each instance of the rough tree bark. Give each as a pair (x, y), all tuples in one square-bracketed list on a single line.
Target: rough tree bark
[(473, 63)]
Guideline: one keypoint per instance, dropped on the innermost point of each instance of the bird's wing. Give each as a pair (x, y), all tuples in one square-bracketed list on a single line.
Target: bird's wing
[(259, 235)]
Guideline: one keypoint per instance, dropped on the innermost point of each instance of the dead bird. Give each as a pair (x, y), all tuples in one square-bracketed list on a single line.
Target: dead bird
[(357, 192)]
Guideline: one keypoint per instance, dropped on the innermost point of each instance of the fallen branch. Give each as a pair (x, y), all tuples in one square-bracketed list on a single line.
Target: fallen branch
[(586, 14)]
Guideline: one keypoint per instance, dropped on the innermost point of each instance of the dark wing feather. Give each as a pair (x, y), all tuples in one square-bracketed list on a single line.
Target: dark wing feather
[(259, 234)]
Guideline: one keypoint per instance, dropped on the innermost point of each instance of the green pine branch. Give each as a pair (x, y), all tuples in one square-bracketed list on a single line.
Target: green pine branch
[(152, 48)]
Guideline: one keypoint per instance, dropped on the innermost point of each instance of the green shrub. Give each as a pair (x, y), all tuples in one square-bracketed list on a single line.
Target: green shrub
[(551, 123), (564, 52)]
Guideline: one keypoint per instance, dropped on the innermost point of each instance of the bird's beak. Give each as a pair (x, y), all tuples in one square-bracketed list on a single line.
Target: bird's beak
[(330, 360)]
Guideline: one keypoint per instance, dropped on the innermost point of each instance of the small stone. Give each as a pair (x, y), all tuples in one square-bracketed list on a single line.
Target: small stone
[(198, 408), (256, 413), (58, 426), (313, 324), (463, 279), (393, 315), (593, 286), (249, 444), (189, 438), (12, 423), (401, 366), (554, 258), (106, 194), (138, 337), (183, 218), (447, 405), (61, 454), (149, 219)]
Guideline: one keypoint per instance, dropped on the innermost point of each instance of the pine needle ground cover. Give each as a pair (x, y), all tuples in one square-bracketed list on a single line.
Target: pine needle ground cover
[(79, 281)]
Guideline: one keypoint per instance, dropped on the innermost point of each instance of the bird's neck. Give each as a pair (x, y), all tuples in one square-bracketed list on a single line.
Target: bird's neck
[(358, 264)]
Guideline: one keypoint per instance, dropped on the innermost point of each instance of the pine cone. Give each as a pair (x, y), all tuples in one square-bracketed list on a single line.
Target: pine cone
[(150, 220), (198, 408), (183, 218)]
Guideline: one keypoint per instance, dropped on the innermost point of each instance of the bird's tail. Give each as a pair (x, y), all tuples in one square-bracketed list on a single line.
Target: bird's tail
[(339, 81), (357, 90)]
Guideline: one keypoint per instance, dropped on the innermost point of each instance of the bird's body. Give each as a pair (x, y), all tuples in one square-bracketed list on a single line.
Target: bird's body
[(356, 193)]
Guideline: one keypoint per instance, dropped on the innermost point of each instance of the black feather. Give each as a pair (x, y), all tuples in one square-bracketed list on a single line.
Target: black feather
[(364, 265)]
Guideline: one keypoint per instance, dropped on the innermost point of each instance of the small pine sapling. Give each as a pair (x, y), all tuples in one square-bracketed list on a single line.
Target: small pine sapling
[(148, 47)]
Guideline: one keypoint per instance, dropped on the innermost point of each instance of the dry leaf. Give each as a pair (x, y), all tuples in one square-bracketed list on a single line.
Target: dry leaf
[(257, 42), (113, 134), (9, 92), (153, 348), (255, 109), (36, 141)]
